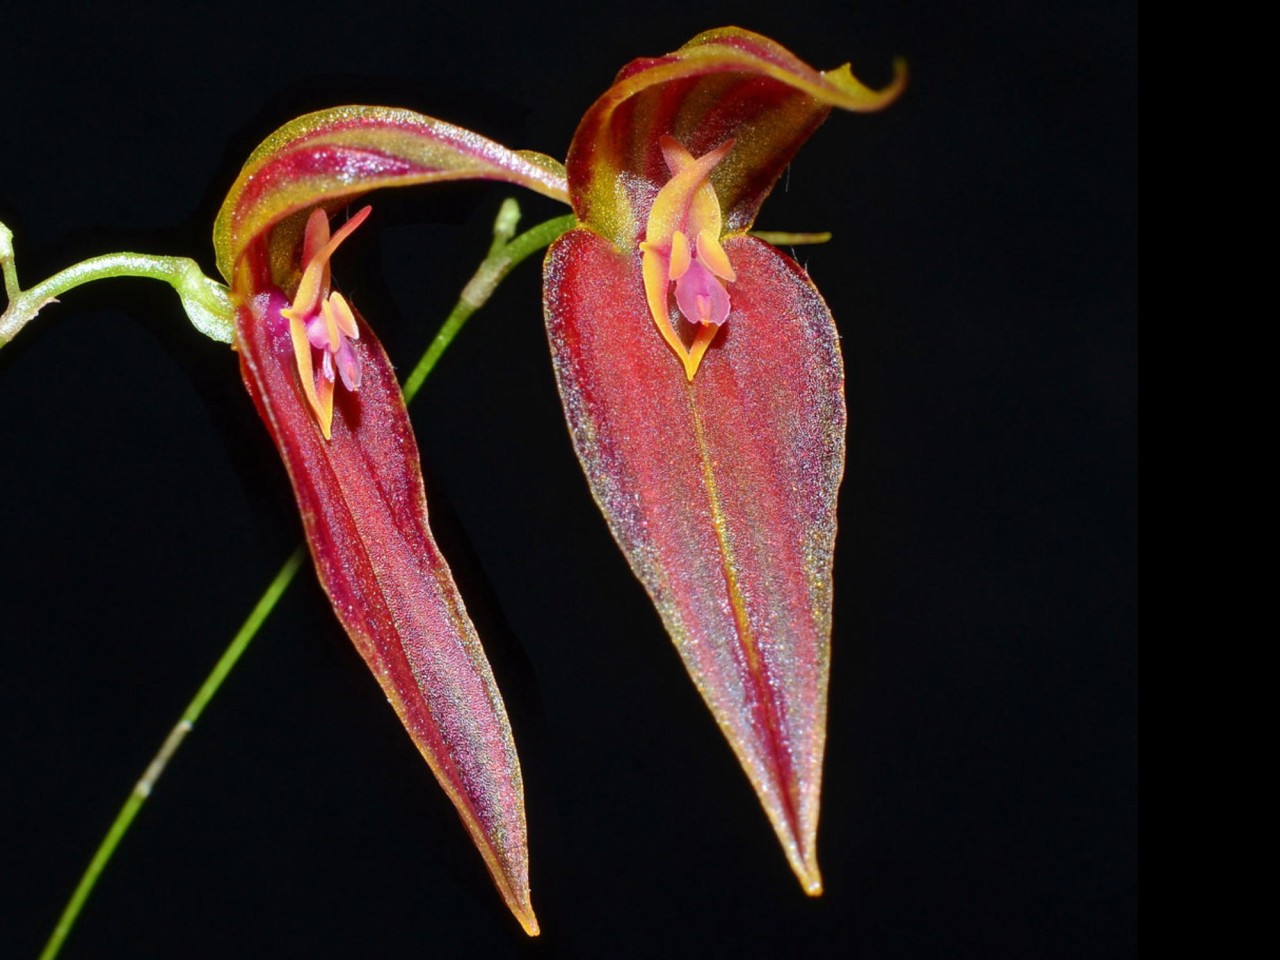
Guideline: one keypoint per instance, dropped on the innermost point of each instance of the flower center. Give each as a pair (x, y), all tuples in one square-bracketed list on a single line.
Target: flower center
[(320, 320), (681, 247)]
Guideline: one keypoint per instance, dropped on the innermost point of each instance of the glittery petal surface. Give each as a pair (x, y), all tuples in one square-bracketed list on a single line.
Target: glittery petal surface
[(363, 506), (721, 493), (332, 156)]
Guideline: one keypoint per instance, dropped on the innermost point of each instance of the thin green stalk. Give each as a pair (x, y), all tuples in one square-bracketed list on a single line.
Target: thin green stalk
[(503, 255), (207, 302), (502, 258), (787, 238), (142, 789)]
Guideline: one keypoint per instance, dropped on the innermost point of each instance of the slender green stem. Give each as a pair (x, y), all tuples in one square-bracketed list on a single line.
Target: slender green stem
[(503, 255), (785, 238), (207, 302), (502, 258), (142, 789)]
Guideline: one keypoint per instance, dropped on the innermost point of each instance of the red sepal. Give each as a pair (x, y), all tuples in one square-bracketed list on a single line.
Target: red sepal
[(365, 513), (721, 492)]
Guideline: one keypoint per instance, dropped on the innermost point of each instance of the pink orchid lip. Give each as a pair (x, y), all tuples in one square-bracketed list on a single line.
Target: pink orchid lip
[(701, 296)]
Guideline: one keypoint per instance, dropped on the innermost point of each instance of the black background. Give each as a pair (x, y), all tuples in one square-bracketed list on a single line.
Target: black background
[(981, 775)]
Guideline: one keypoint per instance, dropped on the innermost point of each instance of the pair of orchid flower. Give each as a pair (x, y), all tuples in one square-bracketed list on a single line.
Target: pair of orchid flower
[(701, 377)]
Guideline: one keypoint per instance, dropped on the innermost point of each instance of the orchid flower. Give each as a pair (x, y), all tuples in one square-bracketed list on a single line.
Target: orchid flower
[(329, 397), (701, 377), (700, 373)]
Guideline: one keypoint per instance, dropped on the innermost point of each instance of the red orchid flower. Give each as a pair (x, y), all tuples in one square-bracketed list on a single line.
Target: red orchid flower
[(701, 377), (329, 397)]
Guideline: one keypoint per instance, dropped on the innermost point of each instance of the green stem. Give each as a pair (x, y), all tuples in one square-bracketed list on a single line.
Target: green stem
[(207, 302), (503, 255), (786, 238), (502, 258), (142, 789)]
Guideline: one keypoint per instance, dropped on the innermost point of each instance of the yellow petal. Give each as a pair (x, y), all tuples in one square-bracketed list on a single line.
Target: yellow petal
[(713, 256), (306, 373), (671, 206), (680, 256), (656, 283), (345, 318)]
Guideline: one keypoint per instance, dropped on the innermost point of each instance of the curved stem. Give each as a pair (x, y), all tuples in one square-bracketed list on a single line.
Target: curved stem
[(503, 255), (207, 302)]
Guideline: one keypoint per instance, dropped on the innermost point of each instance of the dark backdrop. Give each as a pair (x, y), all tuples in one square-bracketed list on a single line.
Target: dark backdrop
[(981, 775)]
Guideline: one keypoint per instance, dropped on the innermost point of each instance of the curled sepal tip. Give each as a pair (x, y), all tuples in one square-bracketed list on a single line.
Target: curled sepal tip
[(722, 84)]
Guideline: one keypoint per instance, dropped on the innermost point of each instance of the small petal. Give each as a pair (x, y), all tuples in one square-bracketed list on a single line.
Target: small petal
[(324, 395), (670, 210), (314, 285), (315, 274), (348, 366), (713, 256), (680, 255), (346, 320), (655, 265), (306, 372)]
